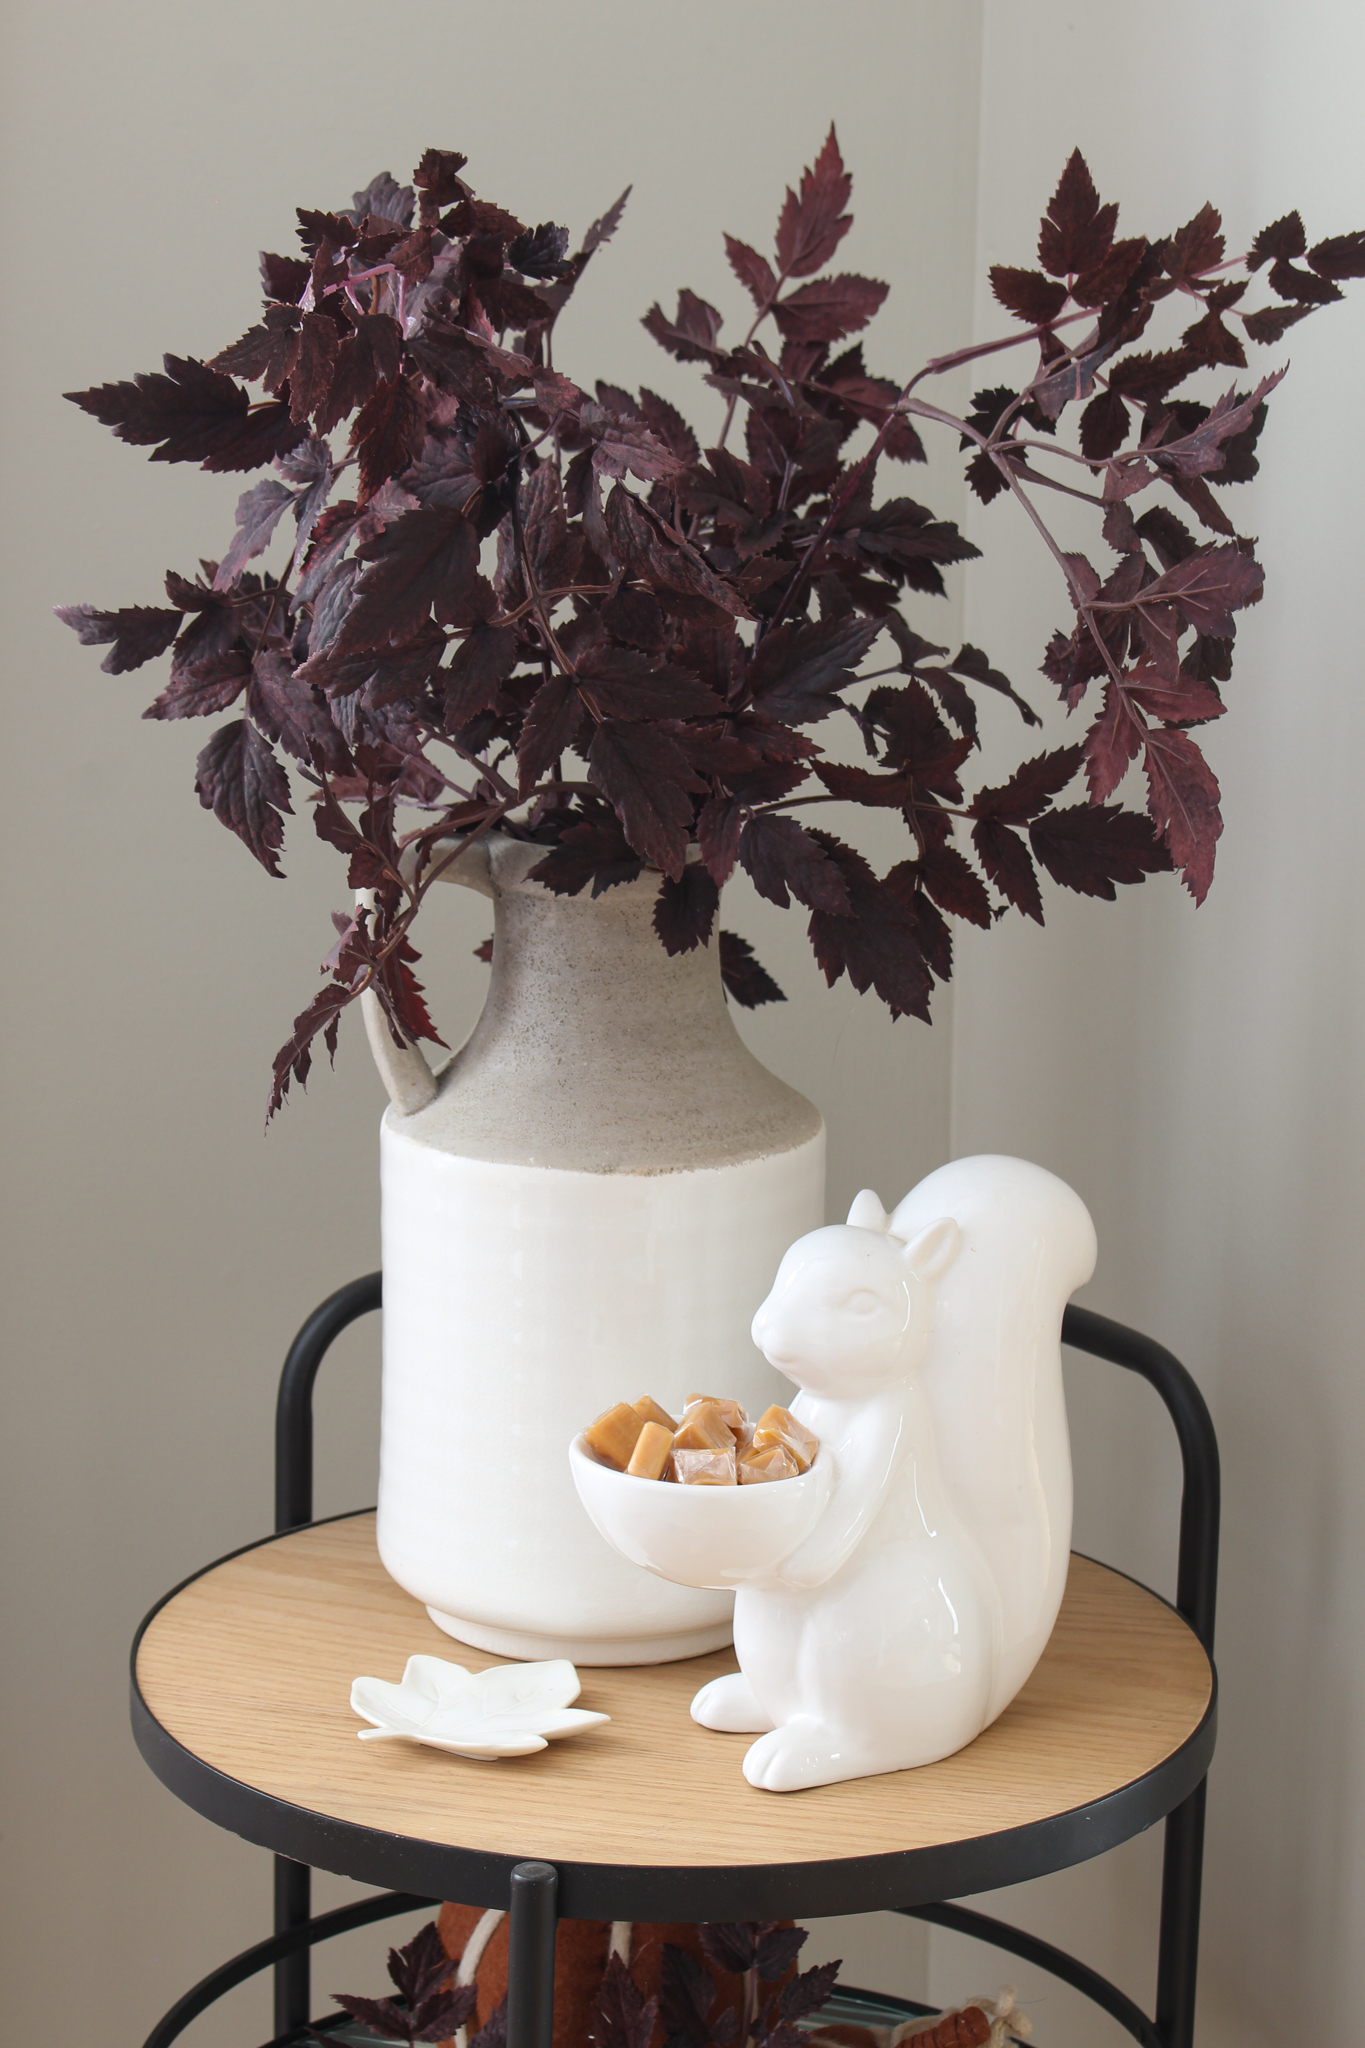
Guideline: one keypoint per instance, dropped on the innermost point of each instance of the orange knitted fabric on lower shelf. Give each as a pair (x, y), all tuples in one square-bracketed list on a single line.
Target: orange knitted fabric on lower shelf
[(581, 1951)]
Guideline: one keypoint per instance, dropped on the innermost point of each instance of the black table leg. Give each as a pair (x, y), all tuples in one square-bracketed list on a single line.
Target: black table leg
[(293, 1889), (531, 1956), (1178, 1956)]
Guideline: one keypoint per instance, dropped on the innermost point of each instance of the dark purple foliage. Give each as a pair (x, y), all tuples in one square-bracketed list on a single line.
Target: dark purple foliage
[(522, 602)]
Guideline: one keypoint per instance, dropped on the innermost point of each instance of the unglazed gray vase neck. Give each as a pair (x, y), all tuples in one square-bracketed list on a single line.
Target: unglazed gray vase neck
[(598, 1051)]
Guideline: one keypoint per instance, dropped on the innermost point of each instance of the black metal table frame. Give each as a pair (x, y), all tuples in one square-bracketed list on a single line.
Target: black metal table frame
[(532, 1889)]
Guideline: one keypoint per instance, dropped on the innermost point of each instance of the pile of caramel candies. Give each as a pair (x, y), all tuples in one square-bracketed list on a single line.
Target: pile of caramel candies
[(714, 1444)]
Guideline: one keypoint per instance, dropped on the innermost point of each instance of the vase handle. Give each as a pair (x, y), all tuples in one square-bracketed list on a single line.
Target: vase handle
[(403, 1069)]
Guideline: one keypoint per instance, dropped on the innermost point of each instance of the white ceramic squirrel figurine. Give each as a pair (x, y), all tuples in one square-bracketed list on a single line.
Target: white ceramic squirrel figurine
[(927, 1349)]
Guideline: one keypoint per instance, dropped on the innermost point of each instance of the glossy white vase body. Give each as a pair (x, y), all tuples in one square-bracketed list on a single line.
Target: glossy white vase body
[(590, 1207)]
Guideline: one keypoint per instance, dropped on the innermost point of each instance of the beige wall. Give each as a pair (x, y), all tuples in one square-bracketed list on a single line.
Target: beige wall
[(159, 1252), (1196, 1077)]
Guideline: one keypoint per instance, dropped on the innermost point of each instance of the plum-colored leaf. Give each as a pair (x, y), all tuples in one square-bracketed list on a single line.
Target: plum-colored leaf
[(1196, 247), (1208, 587), (1281, 241), (1027, 293), (482, 663), (133, 635), (1006, 861), (813, 222), (779, 855), (1182, 796), (1178, 699), (754, 272), (875, 944), (1111, 744), (1340, 256), (1030, 789), (954, 884), (1305, 287), (539, 252), (1076, 231), (426, 560), (626, 445), (193, 414), (969, 661), (1270, 324), (692, 335), (829, 308), (806, 1994), (620, 682), (266, 352), (259, 512), (595, 851), (554, 716), (646, 778), (745, 981), (718, 829), (290, 711), (388, 434), (798, 671), (680, 579), (1090, 847), (904, 541), (1104, 426), (1204, 448), (685, 909), (731, 1944), (238, 778)]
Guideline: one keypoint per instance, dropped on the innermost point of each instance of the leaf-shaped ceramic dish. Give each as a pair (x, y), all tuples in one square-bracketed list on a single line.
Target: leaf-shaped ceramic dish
[(509, 1710)]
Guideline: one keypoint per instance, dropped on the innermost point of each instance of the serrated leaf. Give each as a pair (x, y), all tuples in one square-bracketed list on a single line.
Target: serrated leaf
[(875, 944), (1030, 789), (425, 561), (798, 670), (1076, 231), (1027, 293), (829, 308), (1090, 847), (1182, 796), (754, 272), (136, 634), (192, 414), (482, 663), (259, 512), (646, 778), (685, 909), (238, 778), (1005, 858), (744, 980), (779, 855), (813, 222)]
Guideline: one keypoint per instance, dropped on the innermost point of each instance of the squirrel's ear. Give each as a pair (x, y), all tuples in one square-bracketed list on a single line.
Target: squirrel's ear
[(930, 1253), (867, 1212)]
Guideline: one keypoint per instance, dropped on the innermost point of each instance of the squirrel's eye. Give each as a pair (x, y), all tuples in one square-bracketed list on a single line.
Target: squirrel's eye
[(863, 1303)]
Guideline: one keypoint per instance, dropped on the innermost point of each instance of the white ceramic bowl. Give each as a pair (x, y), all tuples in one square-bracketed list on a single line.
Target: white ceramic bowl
[(715, 1536)]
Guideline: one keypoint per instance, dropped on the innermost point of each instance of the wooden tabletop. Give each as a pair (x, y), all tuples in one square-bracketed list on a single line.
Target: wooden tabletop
[(248, 1668)]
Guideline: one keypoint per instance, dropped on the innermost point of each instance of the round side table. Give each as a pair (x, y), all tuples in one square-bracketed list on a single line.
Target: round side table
[(240, 1699)]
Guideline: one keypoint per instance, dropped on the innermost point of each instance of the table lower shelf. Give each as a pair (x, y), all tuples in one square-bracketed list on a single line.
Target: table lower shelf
[(241, 1689)]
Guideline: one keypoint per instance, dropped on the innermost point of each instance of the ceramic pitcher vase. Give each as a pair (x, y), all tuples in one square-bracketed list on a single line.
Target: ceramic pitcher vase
[(586, 1203)]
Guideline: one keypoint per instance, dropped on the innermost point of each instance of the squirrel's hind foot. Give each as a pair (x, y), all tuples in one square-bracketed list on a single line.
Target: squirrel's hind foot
[(804, 1752), (728, 1704)]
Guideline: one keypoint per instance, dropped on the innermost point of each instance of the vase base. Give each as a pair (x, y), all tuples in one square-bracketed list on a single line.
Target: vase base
[(587, 1650)]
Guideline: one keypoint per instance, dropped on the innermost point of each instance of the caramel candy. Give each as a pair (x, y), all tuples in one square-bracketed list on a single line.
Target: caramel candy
[(649, 1408), (744, 1436), (703, 1428), (653, 1449), (776, 1462), (705, 1468), (779, 1426), (613, 1436), (732, 1411)]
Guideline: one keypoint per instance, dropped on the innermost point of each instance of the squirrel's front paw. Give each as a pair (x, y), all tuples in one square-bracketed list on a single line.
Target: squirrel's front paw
[(804, 1752), (729, 1705)]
